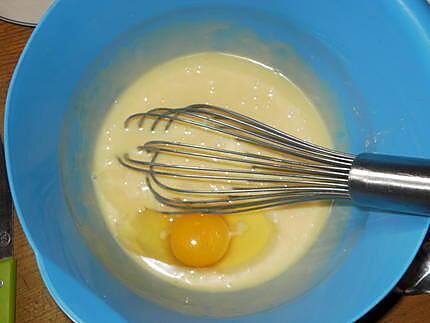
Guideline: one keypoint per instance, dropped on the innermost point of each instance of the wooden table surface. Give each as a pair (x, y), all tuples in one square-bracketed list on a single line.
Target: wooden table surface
[(33, 302)]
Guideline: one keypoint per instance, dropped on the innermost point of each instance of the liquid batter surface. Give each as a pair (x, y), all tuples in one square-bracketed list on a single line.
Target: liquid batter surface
[(262, 244)]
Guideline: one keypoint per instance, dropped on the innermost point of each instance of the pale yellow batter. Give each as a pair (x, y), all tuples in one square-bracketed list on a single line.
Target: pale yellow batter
[(263, 245)]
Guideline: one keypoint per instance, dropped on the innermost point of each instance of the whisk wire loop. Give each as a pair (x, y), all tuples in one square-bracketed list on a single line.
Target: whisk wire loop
[(287, 169)]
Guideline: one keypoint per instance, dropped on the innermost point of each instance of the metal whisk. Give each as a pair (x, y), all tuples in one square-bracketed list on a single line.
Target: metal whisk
[(284, 170)]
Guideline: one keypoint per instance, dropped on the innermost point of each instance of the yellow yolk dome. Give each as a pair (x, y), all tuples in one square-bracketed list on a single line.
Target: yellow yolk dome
[(198, 240)]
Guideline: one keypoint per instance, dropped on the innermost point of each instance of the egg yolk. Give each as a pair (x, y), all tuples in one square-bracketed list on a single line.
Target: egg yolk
[(199, 240)]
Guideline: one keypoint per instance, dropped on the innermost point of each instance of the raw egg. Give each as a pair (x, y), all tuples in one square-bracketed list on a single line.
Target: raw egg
[(199, 240)]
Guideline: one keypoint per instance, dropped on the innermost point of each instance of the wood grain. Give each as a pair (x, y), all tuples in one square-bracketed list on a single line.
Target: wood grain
[(33, 302)]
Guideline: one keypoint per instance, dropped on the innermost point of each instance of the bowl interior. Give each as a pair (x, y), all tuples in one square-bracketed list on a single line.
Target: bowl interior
[(70, 86), (304, 60)]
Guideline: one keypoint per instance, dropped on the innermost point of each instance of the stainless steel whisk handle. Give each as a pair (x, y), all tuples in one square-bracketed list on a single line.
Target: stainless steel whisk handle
[(391, 183)]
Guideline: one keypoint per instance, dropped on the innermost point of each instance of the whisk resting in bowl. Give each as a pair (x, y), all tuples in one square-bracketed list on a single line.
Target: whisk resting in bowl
[(281, 170)]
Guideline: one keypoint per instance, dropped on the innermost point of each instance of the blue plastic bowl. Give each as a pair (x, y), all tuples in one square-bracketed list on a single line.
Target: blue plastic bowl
[(373, 56)]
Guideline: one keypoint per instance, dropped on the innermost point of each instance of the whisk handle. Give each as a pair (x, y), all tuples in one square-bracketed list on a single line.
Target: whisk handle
[(391, 183)]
